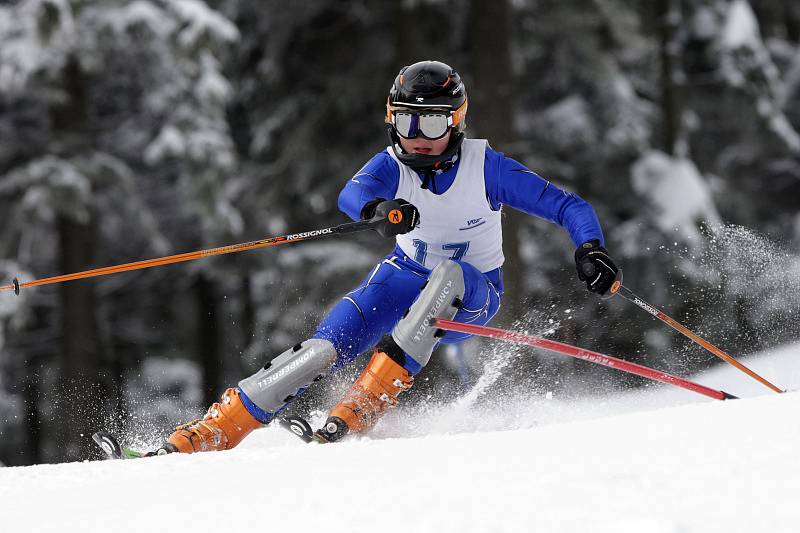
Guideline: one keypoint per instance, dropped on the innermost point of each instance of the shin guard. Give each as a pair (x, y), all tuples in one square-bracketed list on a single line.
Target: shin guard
[(283, 378), (441, 297)]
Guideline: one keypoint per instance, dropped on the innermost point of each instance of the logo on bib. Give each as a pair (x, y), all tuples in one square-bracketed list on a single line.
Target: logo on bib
[(473, 223)]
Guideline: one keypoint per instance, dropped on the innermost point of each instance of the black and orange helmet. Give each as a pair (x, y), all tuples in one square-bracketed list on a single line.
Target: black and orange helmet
[(422, 86), (429, 84)]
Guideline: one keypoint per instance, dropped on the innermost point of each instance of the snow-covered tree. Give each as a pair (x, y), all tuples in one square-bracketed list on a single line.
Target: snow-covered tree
[(119, 140)]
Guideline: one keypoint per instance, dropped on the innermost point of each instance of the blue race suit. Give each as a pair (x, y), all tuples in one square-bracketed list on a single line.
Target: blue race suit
[(372, 309)]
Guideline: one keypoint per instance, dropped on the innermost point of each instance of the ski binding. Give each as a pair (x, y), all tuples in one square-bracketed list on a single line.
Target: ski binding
[(299, 426)]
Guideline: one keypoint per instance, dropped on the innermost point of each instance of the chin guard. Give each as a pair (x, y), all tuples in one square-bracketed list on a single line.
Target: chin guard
[(423, 162)]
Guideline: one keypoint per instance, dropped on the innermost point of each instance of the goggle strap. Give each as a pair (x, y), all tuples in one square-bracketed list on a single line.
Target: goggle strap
[(459, 114)]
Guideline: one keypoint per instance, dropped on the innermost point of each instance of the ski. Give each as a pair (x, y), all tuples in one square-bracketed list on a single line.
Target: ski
[(112, 448), (300, 427)]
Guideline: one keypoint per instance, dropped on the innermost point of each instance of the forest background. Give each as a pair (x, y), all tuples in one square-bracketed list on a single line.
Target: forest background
[(130, 130)]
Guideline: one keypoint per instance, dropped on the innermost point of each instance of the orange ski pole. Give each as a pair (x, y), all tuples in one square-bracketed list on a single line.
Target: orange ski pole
[(189, 256), (625, 292)]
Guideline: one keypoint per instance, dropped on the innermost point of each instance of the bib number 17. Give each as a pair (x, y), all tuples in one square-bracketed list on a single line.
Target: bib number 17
[(459, 250)]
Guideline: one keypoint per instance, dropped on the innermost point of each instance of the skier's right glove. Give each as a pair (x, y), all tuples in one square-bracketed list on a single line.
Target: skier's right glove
[(390, 217)]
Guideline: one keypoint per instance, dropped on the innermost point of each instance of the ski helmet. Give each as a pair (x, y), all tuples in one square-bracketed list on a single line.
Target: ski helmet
[(423, 87)]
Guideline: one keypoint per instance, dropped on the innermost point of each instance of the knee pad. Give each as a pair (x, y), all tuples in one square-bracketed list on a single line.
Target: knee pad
[(441, 297), (272, 387)]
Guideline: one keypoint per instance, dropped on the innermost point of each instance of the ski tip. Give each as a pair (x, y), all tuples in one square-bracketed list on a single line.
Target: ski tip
[(727, 396), (108, 443), (297, 425)]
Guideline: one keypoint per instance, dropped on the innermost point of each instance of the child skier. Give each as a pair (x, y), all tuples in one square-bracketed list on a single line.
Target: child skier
[(440, 195)]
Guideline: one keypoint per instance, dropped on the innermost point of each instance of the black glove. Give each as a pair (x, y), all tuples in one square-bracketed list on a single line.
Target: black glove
[(595, 267), (390, 217)]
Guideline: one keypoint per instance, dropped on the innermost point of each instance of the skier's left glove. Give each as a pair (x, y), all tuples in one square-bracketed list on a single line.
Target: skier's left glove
[(595, 267), (390, 217)]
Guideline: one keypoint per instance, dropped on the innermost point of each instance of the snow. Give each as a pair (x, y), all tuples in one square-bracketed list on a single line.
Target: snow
[(679, 195), (200, 21), (658, 460), (630, 115), (568, 122), (27, 31), (51, 184), (170, 142), (746, 62), (704, 24), (741, 27), (779, 123), (212, 85), (141, 12)]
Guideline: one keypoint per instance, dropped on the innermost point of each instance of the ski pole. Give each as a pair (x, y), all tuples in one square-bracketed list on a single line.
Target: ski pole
[(625, 292), (349, 227), (580, 353)]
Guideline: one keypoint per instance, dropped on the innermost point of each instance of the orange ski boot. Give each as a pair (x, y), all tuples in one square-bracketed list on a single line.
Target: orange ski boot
[(373, 393), (224, 426)]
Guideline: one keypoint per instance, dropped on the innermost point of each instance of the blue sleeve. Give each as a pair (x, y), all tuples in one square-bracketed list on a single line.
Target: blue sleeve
[(379, 178), (510, 183)]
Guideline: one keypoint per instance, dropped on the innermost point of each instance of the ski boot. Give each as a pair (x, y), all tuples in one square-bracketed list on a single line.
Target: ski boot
[(373, 393), (224, 426)]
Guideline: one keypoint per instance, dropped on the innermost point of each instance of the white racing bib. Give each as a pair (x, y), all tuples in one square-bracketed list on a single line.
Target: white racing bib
[(458, 224)]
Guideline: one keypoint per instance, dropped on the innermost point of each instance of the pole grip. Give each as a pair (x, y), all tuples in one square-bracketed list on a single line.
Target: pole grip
[(352, 227), (590, 270), (615, 286)]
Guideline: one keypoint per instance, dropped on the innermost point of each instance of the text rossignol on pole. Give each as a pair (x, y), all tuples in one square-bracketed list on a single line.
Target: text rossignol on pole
[(580, 353), (350, 227)]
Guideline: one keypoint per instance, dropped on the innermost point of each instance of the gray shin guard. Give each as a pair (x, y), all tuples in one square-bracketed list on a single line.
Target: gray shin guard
[(441, 297), (281, 379)]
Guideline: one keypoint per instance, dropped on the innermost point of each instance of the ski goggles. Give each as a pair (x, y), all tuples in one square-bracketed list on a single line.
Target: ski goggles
[(428, 123), (431, 125)]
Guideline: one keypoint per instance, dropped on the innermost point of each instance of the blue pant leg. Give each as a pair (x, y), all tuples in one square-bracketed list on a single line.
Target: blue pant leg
[(362, 317), (481, 302), (370, 311)]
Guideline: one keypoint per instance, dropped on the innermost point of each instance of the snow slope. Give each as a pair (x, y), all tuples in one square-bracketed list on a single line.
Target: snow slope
[(672, 463)]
